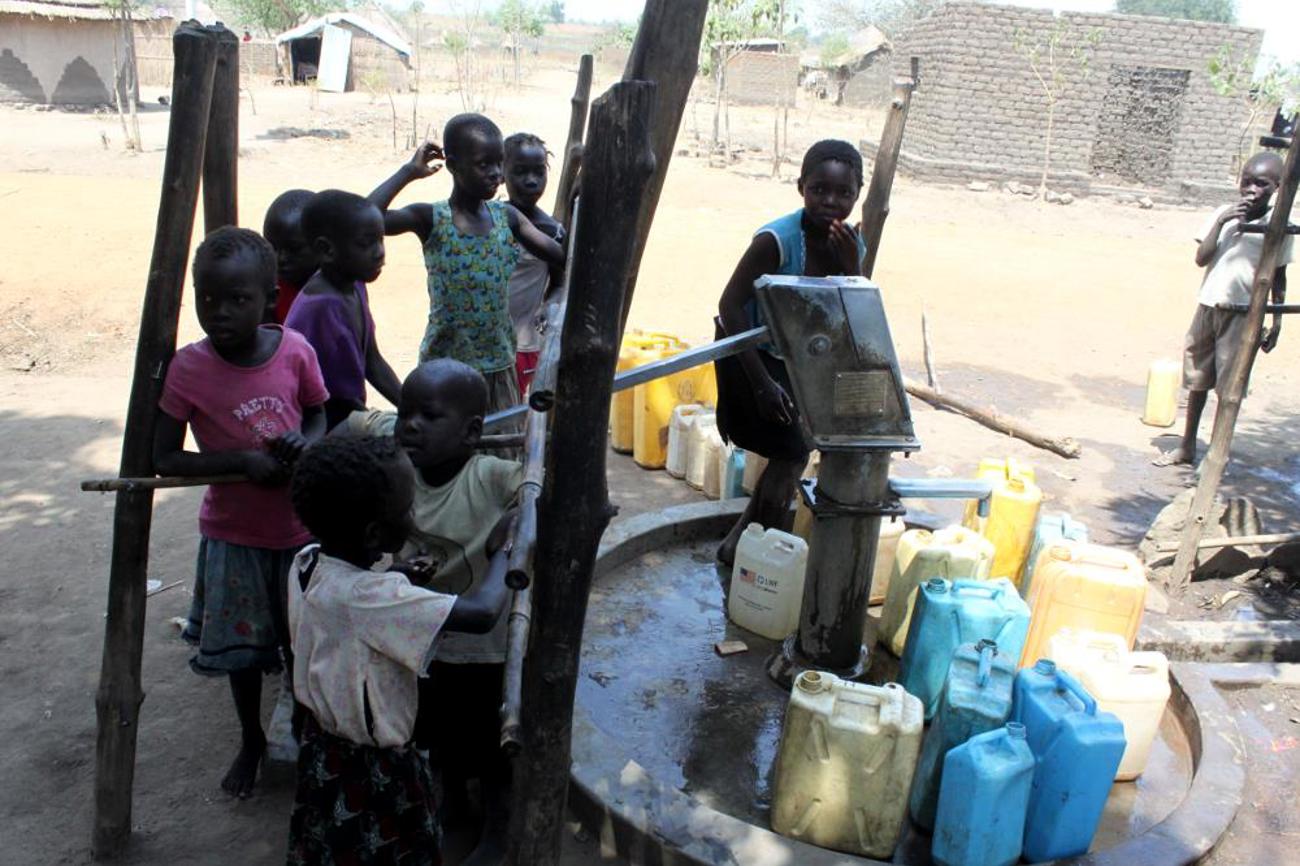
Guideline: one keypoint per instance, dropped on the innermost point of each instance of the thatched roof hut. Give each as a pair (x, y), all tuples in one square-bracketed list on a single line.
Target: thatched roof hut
[(58, 52)]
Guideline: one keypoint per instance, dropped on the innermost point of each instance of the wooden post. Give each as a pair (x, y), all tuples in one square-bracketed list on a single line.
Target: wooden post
[(577, 125), (221, 155), (117, 702), (574, 508), (1234, 389), (667, 53), (875, 209)]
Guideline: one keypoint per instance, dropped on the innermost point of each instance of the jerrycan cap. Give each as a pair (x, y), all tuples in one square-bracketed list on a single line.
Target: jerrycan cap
[(1046, 667), (1016, 731), (755, 528), (1060, 552), (936, 584), (987, 643), (811, 682)]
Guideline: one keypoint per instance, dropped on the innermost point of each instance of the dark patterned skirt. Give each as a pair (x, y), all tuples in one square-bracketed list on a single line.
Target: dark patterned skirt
[(361, 805)]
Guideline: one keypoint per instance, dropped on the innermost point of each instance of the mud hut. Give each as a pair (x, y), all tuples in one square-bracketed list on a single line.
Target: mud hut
[(343, 51), (58, 52)]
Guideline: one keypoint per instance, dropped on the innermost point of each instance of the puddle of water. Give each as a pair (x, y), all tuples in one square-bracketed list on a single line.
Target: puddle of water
[(711, 726)]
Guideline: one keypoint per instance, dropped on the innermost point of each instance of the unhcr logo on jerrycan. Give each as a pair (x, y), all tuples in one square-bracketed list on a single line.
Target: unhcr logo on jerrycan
[(767, 582)]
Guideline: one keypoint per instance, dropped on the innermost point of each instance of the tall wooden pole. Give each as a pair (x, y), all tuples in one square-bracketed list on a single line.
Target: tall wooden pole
[(221, 155), (573, 141), (1234, 389), (574, 508), (117, 702), (666, 52), (875, 209)]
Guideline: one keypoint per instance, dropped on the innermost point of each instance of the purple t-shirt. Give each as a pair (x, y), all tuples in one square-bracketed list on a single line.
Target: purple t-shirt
[(326, 321), (232, 408)]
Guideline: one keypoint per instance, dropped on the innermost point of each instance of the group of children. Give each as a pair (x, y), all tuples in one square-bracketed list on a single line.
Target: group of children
[(391, 667)]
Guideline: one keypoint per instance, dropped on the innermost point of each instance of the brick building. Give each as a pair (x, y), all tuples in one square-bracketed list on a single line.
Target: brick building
[(1144, 112)]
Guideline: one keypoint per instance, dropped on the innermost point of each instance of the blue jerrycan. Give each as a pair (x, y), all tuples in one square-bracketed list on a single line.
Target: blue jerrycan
[(1078, 749), (976, 698), (983, 799), (1051, 529), (949, 614)]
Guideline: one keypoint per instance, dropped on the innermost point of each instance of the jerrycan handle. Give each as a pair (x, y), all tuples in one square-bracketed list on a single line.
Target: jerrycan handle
[(1073, 685), (1093, 555), (982, 588)]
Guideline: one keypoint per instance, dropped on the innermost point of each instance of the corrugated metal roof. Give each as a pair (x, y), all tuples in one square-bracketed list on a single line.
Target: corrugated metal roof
[(85, 10), (383, 34)]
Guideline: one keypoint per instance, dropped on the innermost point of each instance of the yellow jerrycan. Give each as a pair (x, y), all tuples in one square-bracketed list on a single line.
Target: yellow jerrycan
[(953, 552), (1013, 516), (845, 764), (997, 471), (1164, 378), (638, 348), (654, 401), (1084, 586)]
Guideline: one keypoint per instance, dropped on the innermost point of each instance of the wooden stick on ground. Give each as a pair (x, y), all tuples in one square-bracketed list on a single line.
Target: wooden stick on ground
[(573, 141), (574, 508), (1234, 541), (1234, 385), (928, 353), (666, 52), (875, 209), (994, 420), (117, 701)]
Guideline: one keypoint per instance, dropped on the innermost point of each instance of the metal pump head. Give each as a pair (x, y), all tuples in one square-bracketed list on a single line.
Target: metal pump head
[(835, 339)]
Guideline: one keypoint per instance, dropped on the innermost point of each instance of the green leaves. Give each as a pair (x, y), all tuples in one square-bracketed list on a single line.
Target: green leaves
[(1222, 11)]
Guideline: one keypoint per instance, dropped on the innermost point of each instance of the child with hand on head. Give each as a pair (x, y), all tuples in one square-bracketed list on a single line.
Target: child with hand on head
[(463, 502), (1230, 259), (253, 397), (295, 257), (755, 410), (471, 244), (362, 640), (333, 309), (527, 168)]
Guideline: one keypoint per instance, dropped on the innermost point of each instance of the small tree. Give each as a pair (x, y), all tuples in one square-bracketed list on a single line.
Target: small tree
[(729, 23), (1234, 77), (520, 20), (1221, 11), (891, 16), (126, 75), (556, 11), (1059, 59), (274, 16), (463, 45)]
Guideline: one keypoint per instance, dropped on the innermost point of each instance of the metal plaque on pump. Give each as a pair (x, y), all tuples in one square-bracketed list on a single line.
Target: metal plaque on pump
[(835, 339)]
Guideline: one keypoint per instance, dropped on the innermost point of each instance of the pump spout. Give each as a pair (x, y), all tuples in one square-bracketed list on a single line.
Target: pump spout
[(944, 488)]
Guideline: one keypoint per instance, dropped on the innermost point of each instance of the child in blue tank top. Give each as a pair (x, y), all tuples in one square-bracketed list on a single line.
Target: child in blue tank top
[(755, 410)]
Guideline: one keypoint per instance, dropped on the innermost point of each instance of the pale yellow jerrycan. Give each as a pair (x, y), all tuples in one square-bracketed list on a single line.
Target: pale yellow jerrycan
[(637, 348), (1084, 586), (996, 471), (845, 764), (697, 447), (1132, 685), (1013, 516), (953, 553), (679, 438), (1164, 378)]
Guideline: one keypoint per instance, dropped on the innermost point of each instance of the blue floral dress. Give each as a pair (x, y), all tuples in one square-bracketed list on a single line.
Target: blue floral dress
[(469, 308)]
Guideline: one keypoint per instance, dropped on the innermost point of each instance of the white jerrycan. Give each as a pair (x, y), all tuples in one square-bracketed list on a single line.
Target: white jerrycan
[(767, 582)]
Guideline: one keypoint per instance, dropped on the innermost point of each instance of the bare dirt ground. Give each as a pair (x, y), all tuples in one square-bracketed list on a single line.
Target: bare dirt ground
[(1050, 313)]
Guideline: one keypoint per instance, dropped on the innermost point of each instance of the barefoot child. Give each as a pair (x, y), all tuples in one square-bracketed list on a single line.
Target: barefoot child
[(527, 167), (252, 395), (754, 406), (462, 502), (1230, 259), (296, 260), (471, 244), (362, 640), (333, 309)]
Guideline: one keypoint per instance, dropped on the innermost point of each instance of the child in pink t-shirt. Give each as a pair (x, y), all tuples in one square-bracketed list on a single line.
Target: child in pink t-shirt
[(253, 397)]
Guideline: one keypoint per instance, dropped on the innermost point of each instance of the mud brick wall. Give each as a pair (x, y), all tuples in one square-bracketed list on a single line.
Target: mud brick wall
[(1145, 111), (758, 78)]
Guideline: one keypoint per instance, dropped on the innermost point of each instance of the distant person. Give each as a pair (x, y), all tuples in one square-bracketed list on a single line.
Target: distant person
[(755, 410), (1230, 259), (463, 502), (248, 37), (296, 260), (527, 170), (362, 641), (333, 310), (253, 397), (471, 245)]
